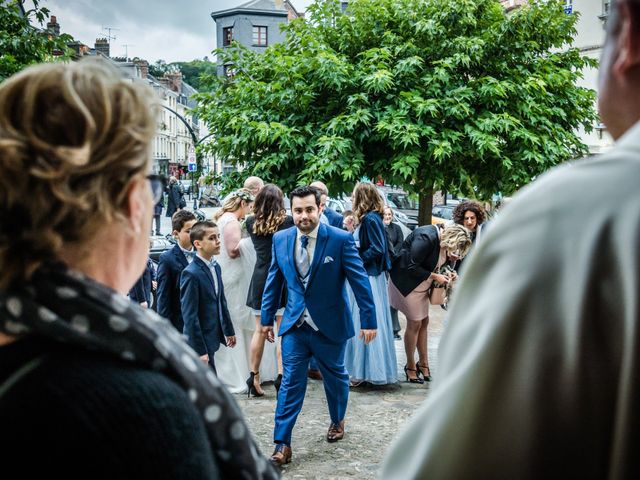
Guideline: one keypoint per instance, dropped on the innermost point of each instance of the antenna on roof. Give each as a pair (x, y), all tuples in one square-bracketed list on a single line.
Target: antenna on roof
[(109, 30), (126, 49)]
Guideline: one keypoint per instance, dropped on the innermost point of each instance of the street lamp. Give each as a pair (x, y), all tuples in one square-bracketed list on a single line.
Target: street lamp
[(196, 142)]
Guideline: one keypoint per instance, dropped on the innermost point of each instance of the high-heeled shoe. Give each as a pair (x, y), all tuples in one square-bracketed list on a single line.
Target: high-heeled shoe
[(427, 376), (412, 380), (251, 387), (277, 382)]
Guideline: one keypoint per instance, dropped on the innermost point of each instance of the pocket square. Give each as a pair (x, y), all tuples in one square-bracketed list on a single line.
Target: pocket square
[(328, 259)]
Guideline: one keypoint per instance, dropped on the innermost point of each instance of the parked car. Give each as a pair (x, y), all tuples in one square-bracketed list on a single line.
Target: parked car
[(185, 184), (442, 214), (159, 245), (405, 207)]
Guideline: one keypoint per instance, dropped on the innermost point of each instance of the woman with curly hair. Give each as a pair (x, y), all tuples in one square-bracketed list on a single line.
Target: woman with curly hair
[(470, 215), (269, 217), (374, 362), (424, 252), (86, 368), (236, 264)]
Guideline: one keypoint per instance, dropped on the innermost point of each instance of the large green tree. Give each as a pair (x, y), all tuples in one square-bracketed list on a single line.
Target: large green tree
[(21, 43), (428, 94)]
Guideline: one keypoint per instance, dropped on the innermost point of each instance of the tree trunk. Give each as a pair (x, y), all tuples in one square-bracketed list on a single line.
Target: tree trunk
[(426, 204)]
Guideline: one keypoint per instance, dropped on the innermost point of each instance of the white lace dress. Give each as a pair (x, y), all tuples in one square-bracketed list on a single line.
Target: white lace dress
[(232, 364)]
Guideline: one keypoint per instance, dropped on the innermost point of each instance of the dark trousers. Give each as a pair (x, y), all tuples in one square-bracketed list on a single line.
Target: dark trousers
[(394, 320), (157, 220)]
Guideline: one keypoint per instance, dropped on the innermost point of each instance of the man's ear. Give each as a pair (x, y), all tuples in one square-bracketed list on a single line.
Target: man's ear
[(136, 205), (197, 244), (628, 57)]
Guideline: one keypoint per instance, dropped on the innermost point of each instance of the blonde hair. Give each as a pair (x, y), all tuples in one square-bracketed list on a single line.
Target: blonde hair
[(234, 201), (366, 198), (72, 138), (456, 238)]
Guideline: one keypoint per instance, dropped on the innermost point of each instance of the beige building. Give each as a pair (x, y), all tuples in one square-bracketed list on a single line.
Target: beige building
[(589, 39)]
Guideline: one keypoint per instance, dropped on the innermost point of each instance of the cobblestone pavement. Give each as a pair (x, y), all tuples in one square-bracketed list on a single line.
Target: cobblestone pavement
[(374, 417)]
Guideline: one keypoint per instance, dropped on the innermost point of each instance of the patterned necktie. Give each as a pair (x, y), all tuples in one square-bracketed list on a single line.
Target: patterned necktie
[(302, 257)]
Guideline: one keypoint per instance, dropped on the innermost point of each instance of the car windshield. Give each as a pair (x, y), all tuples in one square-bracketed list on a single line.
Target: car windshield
[(401, 200)]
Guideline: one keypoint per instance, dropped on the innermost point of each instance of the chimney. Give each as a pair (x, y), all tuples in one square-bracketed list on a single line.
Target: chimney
[(53, 26), (174, 80), (102, 46), (143, 65)]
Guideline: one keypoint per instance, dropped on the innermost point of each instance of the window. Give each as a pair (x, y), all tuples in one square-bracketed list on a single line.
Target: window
[(227, 36), (260, 36)]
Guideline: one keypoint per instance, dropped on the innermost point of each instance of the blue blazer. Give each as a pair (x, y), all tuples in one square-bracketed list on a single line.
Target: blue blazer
[(335, 219), (335, 260), (141, 291), (170, 266), (205, 313), (374, 245)]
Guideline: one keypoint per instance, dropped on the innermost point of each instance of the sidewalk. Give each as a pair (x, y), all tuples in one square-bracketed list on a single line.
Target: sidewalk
[(375, 415)]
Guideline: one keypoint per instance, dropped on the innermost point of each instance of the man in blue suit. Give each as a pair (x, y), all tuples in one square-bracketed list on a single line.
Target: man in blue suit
[(313, 260), (207, 322), (170, 266)]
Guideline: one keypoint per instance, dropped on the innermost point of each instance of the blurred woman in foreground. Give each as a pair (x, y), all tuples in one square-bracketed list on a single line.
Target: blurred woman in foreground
[(83, 370)]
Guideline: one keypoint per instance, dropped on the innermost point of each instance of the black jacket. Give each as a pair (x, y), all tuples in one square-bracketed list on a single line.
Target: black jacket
[(396, 237), (417, 259)]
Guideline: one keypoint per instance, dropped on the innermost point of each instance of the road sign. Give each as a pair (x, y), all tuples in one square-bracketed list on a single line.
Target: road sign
[(191, 158), (192, 167)]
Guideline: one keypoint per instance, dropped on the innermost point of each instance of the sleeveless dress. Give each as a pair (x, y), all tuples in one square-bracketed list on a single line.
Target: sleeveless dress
[(376, 362), (232, 364)]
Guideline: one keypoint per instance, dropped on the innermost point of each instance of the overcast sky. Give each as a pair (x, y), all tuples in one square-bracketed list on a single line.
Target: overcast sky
[(171, 30)]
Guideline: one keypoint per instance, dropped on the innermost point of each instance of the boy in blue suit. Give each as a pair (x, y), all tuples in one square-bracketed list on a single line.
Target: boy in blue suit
[(207, 322), (170, 266), (313, 261)]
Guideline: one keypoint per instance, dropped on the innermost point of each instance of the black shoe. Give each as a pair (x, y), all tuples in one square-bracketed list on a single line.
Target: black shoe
[(427, 376), (251, 388), (443, 306), (412, 380), (278, 382), (397, 336)]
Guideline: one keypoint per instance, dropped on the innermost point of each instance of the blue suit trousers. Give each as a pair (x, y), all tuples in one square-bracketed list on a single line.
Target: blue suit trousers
[(299, 345)]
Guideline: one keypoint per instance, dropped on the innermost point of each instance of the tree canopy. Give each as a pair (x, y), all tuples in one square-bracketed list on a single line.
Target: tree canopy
[(192, 71), (428, 94), (21, 44)]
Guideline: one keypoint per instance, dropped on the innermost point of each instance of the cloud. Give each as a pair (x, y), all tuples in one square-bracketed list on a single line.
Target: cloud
[(163, 29)]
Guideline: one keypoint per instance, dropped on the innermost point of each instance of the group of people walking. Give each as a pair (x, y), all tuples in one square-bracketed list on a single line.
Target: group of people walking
[(539, 360), (296, 292)]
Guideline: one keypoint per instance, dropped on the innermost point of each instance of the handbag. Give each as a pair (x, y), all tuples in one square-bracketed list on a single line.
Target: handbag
[(437, 295)]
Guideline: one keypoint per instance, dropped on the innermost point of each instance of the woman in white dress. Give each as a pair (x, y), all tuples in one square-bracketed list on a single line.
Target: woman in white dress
[(236, 263)]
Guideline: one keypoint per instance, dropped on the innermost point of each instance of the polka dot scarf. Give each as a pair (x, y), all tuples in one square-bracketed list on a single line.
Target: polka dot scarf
[(71, 308)]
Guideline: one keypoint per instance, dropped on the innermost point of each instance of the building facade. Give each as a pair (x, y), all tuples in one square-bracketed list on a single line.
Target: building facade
[(255, 25), (589, 40)]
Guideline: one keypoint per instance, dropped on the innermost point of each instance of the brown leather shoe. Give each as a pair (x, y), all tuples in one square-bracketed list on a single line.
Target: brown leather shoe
[(281, 455), (314, 374), (336, 432)]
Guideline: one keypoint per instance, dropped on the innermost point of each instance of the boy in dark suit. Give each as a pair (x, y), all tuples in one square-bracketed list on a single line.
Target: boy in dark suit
[(170, 266), (207, 322)]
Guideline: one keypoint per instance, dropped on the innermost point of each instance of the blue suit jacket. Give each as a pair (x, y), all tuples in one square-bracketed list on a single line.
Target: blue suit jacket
[(206, 316), (335, 260), (141, 291), (335, 219), (374, 245), (170, 266)]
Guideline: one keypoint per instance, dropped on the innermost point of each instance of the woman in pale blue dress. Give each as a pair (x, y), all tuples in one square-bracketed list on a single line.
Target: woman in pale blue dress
[(376, 362)]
